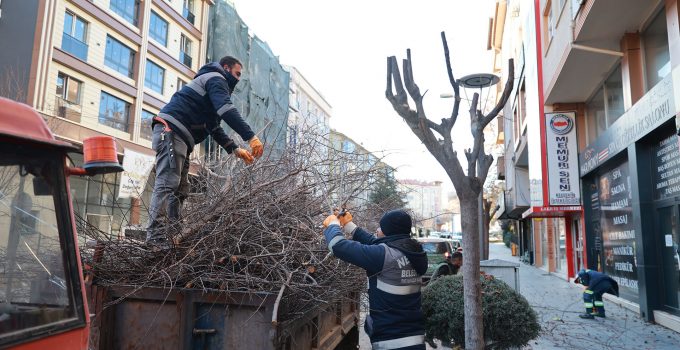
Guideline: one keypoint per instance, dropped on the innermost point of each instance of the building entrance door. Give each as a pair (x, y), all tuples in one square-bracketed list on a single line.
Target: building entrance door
[(577, 243), (669, 237)]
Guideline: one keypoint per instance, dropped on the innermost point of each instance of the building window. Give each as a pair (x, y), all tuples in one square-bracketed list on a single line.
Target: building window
[(114, 112), (180, 84), (185, 51), (75, 36), (155, 76), (145, 129), (127, 9), (657, 56), (606, 106), (188, 10), (549, 22), (158, 29), (519, 114), (119, 57), (68, 88)]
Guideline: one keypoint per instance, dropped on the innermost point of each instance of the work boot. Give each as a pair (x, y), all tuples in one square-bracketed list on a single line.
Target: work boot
[(600, 314), (586, 316), (157, 245)]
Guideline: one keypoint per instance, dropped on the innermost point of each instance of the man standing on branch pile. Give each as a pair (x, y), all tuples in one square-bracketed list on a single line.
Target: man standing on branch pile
[(193, 113), (395, 264)]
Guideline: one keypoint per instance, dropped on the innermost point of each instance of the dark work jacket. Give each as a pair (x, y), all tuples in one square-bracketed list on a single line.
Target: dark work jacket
[(392, 315), (598, 282), (196, 110)]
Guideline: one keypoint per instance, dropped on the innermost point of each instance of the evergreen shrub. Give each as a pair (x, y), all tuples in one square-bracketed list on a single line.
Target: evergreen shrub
[(509, 320)]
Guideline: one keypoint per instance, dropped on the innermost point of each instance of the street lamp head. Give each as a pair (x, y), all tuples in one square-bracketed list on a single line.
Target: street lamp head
[(478, 80)]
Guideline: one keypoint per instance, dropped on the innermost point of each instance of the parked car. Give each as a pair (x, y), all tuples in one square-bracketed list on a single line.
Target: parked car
[(439, 252), (457, 244)]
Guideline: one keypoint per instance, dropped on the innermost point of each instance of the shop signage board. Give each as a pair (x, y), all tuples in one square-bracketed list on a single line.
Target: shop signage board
[(562, 156), (653, 109), (137, 167), (612, 216), (667, 168)]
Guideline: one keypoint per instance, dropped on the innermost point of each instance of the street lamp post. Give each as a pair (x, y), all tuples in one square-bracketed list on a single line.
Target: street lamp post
[(478, 81)]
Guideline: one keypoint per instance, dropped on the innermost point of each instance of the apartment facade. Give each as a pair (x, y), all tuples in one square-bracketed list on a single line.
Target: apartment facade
[(309, 113), (102, 67), (608, 72), (424, 198), (626, 71)]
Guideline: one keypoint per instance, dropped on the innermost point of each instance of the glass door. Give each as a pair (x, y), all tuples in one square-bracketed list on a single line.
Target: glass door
[(577, 243), (670, 256)]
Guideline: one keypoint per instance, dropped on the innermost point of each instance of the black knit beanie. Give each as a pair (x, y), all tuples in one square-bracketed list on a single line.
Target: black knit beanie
[(396, 222)]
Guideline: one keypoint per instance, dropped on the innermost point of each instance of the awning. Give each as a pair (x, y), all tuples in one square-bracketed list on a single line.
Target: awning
[(552, 211), (514, 214)]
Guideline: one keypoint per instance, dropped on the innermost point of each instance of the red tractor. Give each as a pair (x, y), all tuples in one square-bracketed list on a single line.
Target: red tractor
[(42, 293)]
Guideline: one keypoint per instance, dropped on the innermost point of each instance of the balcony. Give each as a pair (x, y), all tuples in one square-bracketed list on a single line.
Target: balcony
[(185, 58), (587, 44), (188, 15), (74, 46)]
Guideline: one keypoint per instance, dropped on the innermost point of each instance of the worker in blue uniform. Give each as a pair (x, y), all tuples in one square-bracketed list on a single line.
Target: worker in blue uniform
[(597, 284), (395, 264)]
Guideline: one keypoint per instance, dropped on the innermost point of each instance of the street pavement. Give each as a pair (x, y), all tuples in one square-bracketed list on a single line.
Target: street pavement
[(558, 303)]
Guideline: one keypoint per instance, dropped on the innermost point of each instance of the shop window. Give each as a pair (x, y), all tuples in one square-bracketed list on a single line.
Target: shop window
[(657, 56)]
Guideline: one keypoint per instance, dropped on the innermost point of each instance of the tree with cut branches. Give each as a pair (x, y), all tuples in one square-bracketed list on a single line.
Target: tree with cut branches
[(468, 186)]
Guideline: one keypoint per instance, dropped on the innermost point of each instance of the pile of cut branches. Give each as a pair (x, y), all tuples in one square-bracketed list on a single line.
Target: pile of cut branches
[(251, 229)]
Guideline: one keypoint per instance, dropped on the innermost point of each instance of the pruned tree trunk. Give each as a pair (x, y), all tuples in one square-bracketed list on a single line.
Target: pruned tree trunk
[(488, 215), (468, 187)]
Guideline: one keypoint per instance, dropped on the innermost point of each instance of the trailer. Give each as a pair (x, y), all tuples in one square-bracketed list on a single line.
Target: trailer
[(125, 317)]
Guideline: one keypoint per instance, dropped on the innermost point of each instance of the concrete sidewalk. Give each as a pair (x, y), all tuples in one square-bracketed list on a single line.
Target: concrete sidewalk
[(558, 304)]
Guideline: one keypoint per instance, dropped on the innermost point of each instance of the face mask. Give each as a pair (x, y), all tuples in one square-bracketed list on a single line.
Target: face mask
[(231, 81)]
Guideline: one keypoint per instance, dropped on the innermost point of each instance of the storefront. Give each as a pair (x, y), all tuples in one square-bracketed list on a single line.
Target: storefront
[(631, 189)]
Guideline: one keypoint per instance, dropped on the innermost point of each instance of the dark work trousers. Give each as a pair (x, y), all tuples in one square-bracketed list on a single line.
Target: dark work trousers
[(172, 182)]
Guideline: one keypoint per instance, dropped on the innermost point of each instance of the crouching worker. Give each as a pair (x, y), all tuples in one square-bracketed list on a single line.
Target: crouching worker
[(394, 264), (597, 284)]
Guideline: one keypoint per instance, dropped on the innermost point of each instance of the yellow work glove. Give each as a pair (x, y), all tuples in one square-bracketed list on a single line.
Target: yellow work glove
[(256, 147), (331, 220), (244, 154)]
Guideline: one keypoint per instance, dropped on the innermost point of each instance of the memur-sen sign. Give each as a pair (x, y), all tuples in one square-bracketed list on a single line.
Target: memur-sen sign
[(561, 147)]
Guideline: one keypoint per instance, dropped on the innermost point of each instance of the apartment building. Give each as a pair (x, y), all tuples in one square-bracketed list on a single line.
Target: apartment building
[(424, 198), (608, 86), (95, 67), (309, 113), (619, 77)]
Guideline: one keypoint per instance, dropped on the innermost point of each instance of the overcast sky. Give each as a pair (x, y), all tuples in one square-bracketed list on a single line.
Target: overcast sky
[(341, 48)]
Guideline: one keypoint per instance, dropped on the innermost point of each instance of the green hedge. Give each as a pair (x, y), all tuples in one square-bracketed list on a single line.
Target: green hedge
[(509, 320)]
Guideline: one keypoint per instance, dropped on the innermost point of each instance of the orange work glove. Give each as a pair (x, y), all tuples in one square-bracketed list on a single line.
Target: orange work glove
[(244, 154), (331, 220), (256, 147), (345, 218)]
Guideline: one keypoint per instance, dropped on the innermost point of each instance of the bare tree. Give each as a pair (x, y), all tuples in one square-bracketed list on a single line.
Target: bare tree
[(468, 187)]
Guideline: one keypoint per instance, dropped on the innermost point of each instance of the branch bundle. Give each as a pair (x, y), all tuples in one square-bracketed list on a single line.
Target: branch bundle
[(252, 229)]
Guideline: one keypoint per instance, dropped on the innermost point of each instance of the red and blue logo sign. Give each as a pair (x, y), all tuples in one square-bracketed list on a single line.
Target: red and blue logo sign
[(561, 124)]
